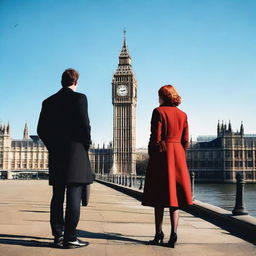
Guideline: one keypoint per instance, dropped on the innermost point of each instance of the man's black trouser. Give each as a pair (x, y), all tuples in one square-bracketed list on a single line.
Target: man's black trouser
[(72, 214)]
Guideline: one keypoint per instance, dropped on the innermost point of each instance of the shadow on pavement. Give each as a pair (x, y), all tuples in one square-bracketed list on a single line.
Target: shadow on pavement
[(108, 236), (31, 241)]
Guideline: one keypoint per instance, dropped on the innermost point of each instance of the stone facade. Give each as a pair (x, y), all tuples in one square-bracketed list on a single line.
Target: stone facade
[(101, 158), (220, 158), (21, 155)]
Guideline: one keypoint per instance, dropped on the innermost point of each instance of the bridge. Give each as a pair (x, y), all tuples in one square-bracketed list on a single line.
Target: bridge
[(114, 223)]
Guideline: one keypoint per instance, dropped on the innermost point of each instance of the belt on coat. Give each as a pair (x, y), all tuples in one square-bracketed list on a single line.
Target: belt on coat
[(172, 139)]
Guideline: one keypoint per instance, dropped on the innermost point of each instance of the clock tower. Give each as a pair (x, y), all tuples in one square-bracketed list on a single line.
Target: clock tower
[(124, 100)]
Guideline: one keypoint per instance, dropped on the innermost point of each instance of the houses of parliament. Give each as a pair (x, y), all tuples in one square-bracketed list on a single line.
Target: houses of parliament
[(219, 158), (28, 157)]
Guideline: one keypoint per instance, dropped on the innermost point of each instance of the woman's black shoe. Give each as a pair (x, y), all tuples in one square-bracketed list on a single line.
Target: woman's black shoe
[(172, 240), (158, 239)]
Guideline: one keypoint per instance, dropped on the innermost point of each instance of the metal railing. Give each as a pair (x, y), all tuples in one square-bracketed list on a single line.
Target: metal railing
[(132, 181), (137, 182)]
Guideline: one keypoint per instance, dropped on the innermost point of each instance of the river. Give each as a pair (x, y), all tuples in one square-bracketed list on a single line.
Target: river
[(224, 195)]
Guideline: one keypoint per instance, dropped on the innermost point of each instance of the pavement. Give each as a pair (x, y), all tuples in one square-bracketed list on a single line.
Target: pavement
[(113, 223)]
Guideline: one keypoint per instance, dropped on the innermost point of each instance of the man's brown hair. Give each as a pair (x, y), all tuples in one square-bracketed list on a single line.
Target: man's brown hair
[(69, 77)]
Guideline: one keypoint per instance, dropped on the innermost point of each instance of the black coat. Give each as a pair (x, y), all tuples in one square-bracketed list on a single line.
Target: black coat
[(64, 127)]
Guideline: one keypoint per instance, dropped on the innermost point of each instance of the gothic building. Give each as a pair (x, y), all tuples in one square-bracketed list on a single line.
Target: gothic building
[(124, 100), (220, 158), (16, 155), (101, 158)]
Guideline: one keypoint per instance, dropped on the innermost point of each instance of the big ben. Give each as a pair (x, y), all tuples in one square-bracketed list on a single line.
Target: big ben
[(124, 100)]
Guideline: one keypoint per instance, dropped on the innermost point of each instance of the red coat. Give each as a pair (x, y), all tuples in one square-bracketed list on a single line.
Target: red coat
[(167, 179)]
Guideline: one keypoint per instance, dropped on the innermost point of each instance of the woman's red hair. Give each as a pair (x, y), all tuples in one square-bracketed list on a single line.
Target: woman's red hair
[(169, 94)]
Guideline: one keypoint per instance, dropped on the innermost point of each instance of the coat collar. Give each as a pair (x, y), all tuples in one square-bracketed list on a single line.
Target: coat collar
[(65, 89), (167, 104)]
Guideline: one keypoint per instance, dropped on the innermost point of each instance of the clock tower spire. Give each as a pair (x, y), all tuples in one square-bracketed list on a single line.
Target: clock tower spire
[(124, 36), (124, 100), (124, 57)]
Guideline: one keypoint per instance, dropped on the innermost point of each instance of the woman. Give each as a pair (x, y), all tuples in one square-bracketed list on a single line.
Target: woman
[(167, 180)]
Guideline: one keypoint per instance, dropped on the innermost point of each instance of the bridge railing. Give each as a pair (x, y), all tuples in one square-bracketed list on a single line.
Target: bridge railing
[(132, 181), (137, 182)]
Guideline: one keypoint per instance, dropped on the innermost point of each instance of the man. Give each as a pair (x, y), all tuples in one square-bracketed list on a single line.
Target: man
[(64, 128)]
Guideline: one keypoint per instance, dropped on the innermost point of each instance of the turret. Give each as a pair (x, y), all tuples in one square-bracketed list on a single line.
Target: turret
[(25, 132), (8, 128), (225, 127), (5, 129), (229, 127), (218, 128), (222, 128), (241, 128)]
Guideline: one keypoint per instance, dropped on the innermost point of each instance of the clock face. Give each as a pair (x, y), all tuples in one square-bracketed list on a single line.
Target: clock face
[(122, 90)]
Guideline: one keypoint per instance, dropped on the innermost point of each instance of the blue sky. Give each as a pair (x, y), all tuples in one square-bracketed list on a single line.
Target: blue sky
[(206, 49)]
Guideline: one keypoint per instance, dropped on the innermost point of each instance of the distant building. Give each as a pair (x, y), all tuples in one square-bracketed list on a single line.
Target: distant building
[(28, 157), (101, 159), (21, 155), (220, 158), (204, 138)]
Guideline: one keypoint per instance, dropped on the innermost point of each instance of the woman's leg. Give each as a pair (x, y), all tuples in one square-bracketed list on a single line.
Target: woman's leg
[(174, 216), (159, 213)]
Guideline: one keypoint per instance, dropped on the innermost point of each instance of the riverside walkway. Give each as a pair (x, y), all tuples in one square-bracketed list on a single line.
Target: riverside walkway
[(113, 223)]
